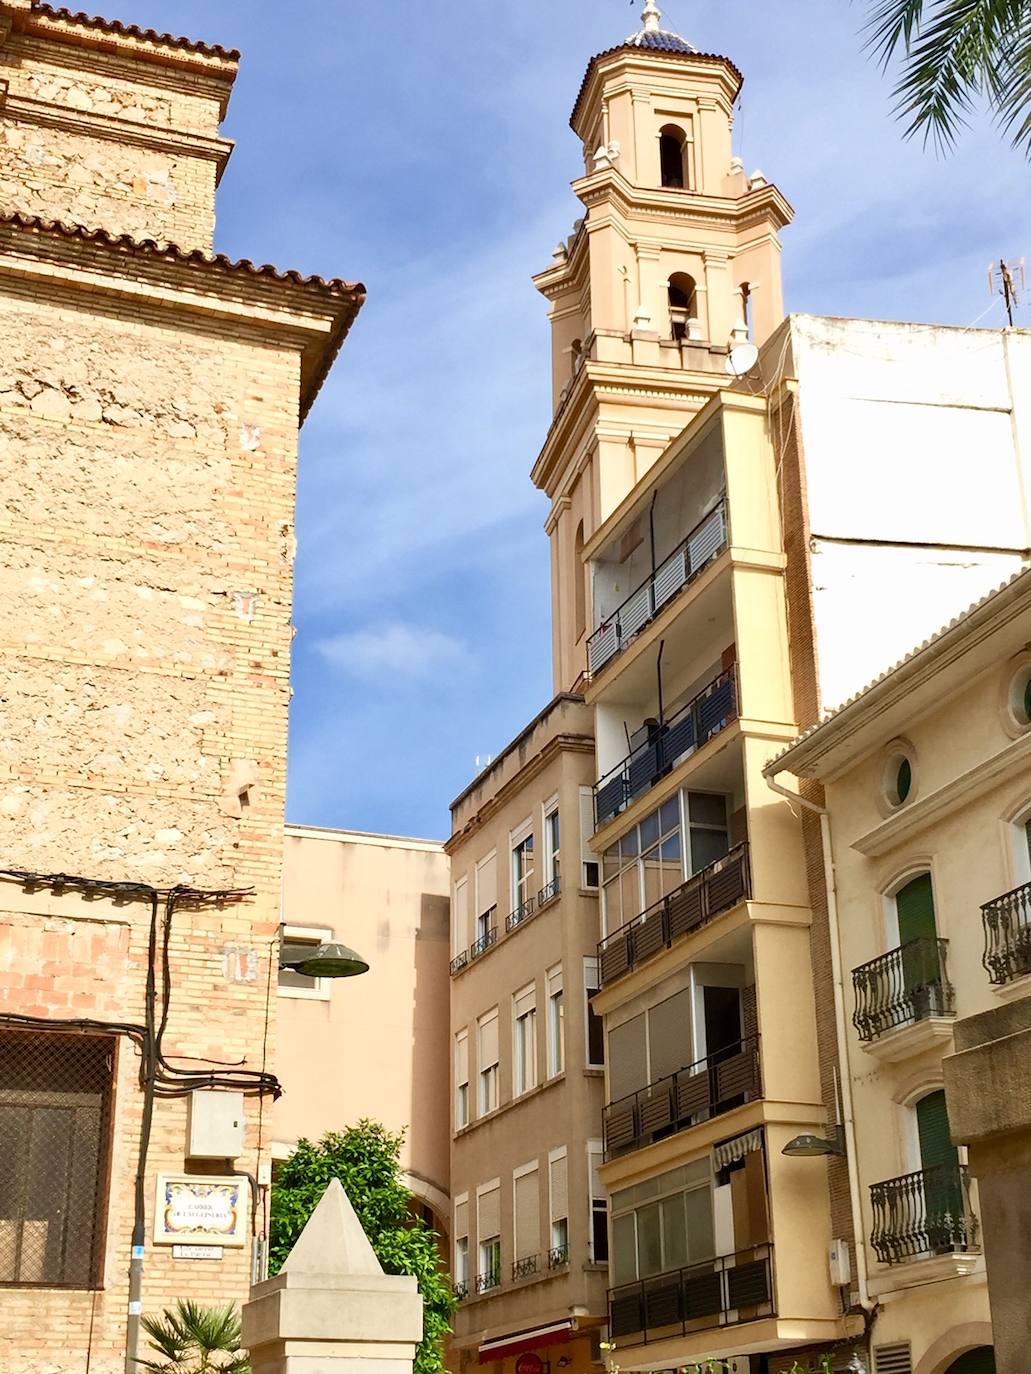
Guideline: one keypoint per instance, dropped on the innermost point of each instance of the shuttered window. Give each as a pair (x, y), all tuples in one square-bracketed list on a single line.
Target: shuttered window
[(914, 904), (488, 1212), (599, 1243), (462, 1215), (487, 1055), (669, 1036), (462, 1078), (524, 1033), (527, 1207), (588, 859), (932, 1121), (486, 884), (628, 1058), (559, 1186), (460, 918), (55, 1109)]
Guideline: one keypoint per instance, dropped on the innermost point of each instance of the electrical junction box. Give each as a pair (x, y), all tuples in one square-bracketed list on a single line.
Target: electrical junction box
[(215, 1125), (840, 1263)]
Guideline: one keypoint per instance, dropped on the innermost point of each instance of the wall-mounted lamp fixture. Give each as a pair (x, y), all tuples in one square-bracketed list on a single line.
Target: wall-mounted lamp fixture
[(328, 960), (808, 1146)]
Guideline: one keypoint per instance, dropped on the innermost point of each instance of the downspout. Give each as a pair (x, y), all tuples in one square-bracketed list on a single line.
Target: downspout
[(851, 1157)]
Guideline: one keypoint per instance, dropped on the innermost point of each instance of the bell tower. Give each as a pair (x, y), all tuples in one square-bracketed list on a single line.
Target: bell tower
[(675, 259)]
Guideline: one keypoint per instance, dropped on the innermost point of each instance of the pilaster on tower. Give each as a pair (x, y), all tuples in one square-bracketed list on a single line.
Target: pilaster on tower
[(676, 255)]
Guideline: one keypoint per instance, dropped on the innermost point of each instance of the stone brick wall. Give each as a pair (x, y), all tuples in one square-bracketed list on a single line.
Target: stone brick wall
[(111, 140), (146, 555)]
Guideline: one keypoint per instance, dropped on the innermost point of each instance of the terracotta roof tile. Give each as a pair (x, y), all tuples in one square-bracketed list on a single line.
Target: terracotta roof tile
[(334, 285), (134, 31)]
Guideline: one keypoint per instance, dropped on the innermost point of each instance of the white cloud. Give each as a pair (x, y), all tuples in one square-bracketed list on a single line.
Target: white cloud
[(415, 652)]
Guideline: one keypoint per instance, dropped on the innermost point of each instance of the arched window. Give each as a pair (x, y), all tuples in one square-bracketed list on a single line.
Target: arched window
[(683, 304), (580, 591), (671, 156)]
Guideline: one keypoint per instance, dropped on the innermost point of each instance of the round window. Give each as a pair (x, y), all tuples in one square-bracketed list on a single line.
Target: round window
[(1020, 695), (898, 778)]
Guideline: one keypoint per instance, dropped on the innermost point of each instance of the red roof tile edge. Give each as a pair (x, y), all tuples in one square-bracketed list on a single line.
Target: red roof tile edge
[(90, 21), (336, 285)]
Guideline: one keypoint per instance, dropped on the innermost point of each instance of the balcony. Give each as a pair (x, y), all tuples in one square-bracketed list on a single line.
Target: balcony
[(922, 1214), (1007, 935), (907, 986), (692, 905), (697, 1093), (522, 913), (665, 745), (486, 1282), (706, 542), (525, 1268), (487, 923), (721, 1292), (549, 892)]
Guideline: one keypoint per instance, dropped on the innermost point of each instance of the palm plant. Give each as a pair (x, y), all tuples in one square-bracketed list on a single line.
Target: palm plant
[(191, 1339), (957, 52)]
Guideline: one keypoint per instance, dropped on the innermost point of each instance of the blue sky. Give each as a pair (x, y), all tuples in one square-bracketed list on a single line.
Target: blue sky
[(422, 147)]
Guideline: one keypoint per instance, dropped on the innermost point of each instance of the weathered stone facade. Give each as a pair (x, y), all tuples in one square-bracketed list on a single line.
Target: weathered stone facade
[(149, 408)]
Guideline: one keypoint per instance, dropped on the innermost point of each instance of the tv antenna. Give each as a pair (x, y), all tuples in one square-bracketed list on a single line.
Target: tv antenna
[(1007, 278)]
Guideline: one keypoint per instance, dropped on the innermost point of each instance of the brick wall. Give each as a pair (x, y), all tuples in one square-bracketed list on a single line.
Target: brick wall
[(785, 427)]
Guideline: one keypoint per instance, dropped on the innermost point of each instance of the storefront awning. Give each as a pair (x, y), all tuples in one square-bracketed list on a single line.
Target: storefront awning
[(501, 1347)]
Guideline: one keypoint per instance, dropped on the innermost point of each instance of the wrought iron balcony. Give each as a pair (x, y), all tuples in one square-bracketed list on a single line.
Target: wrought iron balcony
[(459, 962), (460, 1290), (485, 1282), (692, 905), (1007, 935), (488, 937), (722, 1292), (703, 1090), (549, 892), (901, 987), (525, 1268), (712, 710), (558, 1256), (706, 542), (925, 1213), (522, 913)]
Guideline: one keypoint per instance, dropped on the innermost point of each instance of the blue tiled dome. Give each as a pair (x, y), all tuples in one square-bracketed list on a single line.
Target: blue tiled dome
[(654, 38)]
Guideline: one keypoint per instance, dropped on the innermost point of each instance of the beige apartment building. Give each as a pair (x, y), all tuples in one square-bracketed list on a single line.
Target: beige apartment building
[(927, 821), (530, 1230), (387, 898), (711, 560), (150, 399)]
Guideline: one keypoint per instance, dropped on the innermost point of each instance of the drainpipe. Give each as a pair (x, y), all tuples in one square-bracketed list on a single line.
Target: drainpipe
[(851, 1157)]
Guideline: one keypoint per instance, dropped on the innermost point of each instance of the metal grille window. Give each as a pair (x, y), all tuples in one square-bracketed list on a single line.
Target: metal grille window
[(55, 1111)]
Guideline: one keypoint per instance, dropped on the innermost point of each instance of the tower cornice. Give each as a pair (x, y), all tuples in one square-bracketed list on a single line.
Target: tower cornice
[(763, 203), (641, 64)]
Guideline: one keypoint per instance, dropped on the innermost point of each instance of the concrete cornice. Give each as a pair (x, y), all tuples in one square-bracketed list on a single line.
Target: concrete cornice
[(361, 837), (762, 205), (647, 67)]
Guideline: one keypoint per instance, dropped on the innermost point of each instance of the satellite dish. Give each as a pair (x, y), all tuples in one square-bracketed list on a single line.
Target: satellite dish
[(742, 358)]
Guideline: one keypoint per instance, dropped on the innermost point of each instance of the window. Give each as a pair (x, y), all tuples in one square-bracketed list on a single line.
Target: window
[(55, 1117), (460, 918), (487, 1060), (488, 1231), (556, 1023), (461, 1231), (526, 1210), (664, 1224), (595, 1025), (683, 305), (588, 860), (522, 865), (302, 938), (558, 1204), (462, 1079), (899, 774), (671, 156), (552, 857), (599, 1251), (525, 1039), (486, 899), (1019, 696), (490, 1263), (579, 584)]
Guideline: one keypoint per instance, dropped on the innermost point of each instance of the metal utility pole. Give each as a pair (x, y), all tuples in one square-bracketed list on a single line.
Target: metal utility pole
[(1007, 278)]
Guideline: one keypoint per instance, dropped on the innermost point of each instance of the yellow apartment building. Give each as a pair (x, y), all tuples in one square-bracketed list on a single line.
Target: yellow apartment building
[(150, 399), (926, 819)]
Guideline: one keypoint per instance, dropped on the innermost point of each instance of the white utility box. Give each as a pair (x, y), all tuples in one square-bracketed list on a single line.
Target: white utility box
[(840, 1263), (215, 1125)]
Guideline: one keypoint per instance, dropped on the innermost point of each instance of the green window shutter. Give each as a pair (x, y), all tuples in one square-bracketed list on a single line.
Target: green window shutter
[(932, 1123), (914, 904)]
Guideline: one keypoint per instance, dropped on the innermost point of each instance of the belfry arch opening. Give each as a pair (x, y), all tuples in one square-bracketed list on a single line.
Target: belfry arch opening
[(672, 162), (683, 304)]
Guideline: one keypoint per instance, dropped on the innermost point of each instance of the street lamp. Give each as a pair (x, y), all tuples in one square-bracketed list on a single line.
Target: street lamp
[(808, 1146), (328, 960)]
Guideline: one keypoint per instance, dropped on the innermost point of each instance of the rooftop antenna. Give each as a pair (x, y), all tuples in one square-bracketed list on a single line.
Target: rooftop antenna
[(1007, 278)]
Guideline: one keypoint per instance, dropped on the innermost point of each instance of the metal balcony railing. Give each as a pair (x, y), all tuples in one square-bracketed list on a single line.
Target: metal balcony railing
[(459, 962), (488, 937), (549, 892), (460, 1290), (485, 1282), (901, 987), (924, 1213), (706, 542), (722, 1292), (1007, 935), (708, 1088), (692, 905), (712, 710), (522, 913), (558, 1256), (525, 1268)]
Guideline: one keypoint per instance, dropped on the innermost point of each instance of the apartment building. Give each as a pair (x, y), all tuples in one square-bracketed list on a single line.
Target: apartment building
[(719, 524), (386, 897), (530, 1229), (927, 820), (150, 400)]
